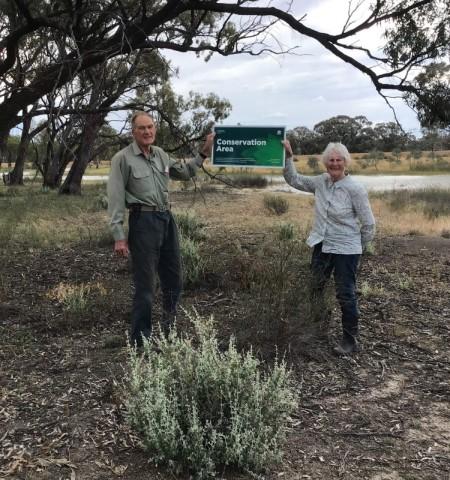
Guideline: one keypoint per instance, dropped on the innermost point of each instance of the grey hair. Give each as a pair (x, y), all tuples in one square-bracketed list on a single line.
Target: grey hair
[(139, 113), (338, 148)]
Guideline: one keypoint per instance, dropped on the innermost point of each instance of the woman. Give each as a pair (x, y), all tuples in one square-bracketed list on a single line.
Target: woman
[(343, 227)]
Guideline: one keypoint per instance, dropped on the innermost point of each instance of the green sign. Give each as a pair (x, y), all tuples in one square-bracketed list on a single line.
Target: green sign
[(239, 146)]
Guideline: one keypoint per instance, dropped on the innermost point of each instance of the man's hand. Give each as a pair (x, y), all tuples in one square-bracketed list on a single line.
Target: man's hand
[(121, 248), (207, 146)]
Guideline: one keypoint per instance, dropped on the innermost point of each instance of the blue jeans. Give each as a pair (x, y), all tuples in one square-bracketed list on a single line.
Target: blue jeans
[(155, 250), (344, 268)]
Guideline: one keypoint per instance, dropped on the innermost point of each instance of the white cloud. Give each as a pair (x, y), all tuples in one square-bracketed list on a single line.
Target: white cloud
[(301, 89)]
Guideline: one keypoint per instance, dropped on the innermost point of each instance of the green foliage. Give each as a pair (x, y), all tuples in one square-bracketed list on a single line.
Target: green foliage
[(276, 204), (76, 299), (371, 291), (191, 236), (284, 316), (200, 409), (250, 181), (190, 226), (286, 232), (313, 164), (192, 261)]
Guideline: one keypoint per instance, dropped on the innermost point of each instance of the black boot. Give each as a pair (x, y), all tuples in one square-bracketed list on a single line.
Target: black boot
[(347, 346)]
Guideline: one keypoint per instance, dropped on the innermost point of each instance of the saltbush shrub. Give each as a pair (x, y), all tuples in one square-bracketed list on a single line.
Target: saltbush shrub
[(200, 409), (191, 235), (276, 204)]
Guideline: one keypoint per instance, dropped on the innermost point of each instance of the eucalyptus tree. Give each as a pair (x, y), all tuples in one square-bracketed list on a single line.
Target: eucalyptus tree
[(416, 34)]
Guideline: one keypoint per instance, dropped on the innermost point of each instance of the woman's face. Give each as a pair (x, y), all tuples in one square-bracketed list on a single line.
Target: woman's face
[(336, 166)]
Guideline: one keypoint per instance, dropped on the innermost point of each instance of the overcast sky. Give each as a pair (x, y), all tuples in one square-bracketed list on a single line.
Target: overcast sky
[(292, 90)]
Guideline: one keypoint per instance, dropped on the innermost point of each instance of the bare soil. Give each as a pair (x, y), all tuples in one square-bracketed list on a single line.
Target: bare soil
[(383, 414)]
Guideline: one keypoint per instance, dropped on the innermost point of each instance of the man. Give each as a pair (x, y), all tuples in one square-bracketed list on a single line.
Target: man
[(139, 180)]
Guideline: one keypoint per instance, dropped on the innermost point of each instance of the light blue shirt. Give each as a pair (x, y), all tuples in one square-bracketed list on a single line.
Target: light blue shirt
[(343, 219)]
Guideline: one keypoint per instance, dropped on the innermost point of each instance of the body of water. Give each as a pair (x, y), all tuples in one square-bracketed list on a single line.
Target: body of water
[(379, 183)]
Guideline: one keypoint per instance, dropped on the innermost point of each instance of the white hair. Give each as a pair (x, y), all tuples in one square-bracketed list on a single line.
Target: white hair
[(340, 149)]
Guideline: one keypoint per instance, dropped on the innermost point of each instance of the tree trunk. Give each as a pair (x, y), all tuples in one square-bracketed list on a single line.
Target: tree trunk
[(72, 183), (16, 175), (4, 135)]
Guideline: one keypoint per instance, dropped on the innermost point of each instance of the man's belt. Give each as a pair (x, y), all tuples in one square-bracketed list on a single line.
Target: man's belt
[(138, 207)]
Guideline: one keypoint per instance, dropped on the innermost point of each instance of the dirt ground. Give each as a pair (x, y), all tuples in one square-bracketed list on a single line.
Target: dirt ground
[(383, 414)]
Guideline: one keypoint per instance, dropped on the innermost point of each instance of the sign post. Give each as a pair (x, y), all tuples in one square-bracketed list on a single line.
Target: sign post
[(257, 147)]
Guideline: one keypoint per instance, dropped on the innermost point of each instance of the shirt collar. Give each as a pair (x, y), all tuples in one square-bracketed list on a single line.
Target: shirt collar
[(137, 151), (343, 181)]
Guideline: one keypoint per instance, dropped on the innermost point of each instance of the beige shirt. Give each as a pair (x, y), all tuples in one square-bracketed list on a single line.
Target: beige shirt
[(139, 179)]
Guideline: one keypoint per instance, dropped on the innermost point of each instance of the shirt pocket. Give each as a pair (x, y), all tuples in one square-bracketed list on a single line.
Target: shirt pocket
[(161, 174), (140, 179)]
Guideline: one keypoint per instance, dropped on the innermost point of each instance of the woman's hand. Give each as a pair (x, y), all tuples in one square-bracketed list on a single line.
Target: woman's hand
[(287, 148)]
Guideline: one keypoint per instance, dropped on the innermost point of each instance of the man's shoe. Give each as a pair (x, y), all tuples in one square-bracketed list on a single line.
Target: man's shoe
[(347, 346)]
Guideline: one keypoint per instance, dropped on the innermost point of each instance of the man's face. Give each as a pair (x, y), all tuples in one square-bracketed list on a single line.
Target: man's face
[(144, 131)]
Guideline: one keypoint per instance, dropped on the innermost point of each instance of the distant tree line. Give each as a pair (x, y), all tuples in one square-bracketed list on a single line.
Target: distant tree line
[(65, 65), (361, 136)]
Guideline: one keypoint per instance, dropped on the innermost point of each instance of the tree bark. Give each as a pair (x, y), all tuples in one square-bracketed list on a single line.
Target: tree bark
[(72, 183), (16, 175)]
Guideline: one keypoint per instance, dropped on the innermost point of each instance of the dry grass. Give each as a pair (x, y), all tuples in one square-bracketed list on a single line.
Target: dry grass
[(250, 215), (388, 165), (50, 219), (406, 222)]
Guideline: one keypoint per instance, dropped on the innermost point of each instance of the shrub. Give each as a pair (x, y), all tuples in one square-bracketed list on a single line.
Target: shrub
[(313, 163), (201, 409), (192, 261), (250, 181), (276, 204), (286, 231), (190, 226), (371, 291), (286, 316), (76, 298)]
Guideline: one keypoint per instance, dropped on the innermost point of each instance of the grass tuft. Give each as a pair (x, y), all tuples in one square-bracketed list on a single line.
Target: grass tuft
[(276, 204)]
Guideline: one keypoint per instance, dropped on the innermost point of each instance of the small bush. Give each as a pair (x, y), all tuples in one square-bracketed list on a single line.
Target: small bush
[(250, 181), (192, 261), (286, 232), (200, 409), (276, 204), (76, 298), (371, 291), (190, 226), (313, 164)]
